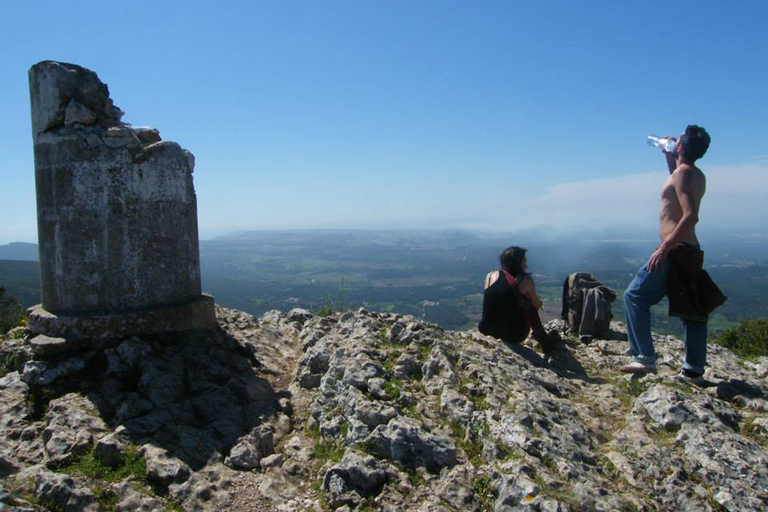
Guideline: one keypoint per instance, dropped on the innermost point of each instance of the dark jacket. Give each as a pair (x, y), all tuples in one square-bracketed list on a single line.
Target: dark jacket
[(693, 295)]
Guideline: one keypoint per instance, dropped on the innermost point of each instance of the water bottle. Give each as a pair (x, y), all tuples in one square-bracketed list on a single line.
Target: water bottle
[(664, 143)]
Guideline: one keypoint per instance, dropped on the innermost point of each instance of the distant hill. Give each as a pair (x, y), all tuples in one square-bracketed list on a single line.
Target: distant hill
[(19, 251)]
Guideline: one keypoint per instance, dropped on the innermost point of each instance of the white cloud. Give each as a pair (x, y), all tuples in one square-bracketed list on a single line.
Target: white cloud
[(735, 200)]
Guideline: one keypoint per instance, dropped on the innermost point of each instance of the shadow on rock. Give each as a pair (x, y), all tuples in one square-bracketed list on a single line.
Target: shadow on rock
[(187, 396)]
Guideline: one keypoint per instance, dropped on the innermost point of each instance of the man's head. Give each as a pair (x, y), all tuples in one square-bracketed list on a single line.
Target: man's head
[(693, 143)]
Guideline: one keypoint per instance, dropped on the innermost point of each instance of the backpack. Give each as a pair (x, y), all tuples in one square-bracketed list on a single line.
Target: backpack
[(582, 292)]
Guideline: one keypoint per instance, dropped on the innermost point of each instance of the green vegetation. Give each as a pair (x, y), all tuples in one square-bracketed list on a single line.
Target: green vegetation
[(329, 450), (557, 491), (174, 506), (628, 390), (414, 477), (662, 436), (12, 313), (311, 431), (469, 440), (7, 363), (330, 307), (412, 412), (755, 432), (392, 389), (748, 339), (483, 493), (106, 499), (91, 466), (37, 401)]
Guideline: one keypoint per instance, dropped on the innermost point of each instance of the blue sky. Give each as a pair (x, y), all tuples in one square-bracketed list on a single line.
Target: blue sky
[(392, 114)]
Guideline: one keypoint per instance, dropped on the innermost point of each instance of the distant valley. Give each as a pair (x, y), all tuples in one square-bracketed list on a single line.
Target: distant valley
[(435, 275)]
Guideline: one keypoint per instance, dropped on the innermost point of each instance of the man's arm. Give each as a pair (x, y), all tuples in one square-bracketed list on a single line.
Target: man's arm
[(671, 157), (671, 161), (685, 183)]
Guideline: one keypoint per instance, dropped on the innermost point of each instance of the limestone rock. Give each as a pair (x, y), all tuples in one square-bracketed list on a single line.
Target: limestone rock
[(356, 476), (64, 492), (131, 500), (406, 441), (79, 113), (111, 449), (40, 373), (163, 468), (56, 86), (147, 135), (46, 346), (72, 427)]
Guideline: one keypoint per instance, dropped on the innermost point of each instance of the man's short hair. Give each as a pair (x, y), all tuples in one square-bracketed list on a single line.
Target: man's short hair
[(695, 142)]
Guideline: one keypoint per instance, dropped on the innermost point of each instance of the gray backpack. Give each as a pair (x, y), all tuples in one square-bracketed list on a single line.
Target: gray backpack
[(587, 305)]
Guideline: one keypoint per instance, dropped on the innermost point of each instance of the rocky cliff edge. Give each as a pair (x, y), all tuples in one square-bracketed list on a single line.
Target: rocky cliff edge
[(370, 411)]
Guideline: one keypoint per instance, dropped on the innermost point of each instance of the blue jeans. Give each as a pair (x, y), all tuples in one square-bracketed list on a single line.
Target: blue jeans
[(645, 290)]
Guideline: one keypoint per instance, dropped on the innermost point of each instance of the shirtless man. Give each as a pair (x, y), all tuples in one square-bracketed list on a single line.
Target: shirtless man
[(680, 200)]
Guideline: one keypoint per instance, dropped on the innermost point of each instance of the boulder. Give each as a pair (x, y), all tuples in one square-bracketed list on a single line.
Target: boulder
[(406, 441)]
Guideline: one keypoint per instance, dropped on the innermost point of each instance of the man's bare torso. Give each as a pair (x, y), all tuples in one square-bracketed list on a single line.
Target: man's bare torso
[(671, 212)]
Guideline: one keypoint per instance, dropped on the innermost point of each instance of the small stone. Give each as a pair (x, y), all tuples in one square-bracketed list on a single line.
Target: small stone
[(162, 468), (245, 454), (46, 346), (147, 135), (272, 461), (64, 492), (78, 113), (110, 449)]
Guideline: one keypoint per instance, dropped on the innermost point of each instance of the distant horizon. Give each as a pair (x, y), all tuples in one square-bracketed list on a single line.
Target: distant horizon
[(586, 236)]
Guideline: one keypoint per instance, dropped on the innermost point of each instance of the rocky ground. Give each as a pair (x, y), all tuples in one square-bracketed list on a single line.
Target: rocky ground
[(366, 411)]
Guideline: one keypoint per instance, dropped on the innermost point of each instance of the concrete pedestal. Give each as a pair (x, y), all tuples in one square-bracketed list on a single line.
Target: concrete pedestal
[(117, 216)]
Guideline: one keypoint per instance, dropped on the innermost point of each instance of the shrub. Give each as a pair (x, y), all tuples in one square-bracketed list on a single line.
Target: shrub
[(748, 339), (11, 312)]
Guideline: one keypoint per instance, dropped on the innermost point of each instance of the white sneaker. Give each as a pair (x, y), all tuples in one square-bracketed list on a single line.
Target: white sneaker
[(635, 367)]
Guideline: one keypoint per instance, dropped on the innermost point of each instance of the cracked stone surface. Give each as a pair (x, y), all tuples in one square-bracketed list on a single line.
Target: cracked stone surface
[(374, 411)]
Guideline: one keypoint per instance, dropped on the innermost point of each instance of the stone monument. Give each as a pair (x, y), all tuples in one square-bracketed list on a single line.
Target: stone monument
[(117, 216)]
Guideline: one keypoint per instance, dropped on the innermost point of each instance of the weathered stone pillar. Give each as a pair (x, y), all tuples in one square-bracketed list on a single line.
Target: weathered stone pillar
[(117, 216)]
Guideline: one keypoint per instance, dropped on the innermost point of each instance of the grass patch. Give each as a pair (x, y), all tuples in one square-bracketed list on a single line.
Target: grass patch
[(37, 401), (662, 436), (748, 339), (425, 349), (628, 390), (392, 389), (106, 499), (470, 441), (311, 431), (367, 448), (325, 311), (507, 452), (91, 466), (482, 488), (412, 412), (329, 450), (7, 363), (414, 477), (754, 432), (560, 493), (174, 506)]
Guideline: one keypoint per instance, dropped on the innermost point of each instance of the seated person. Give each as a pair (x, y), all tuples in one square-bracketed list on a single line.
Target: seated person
[(510, 303)]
